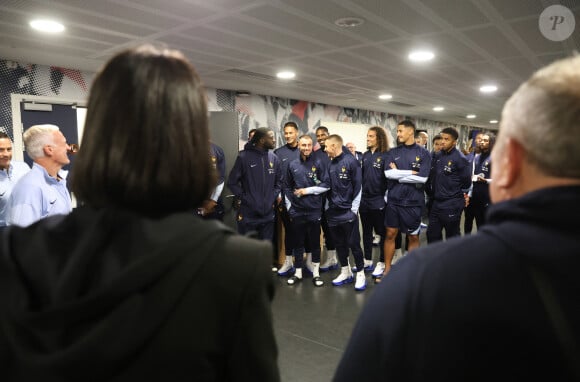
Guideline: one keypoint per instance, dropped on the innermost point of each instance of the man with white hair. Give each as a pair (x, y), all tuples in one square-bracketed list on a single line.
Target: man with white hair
[(502, 303), (42, 191)]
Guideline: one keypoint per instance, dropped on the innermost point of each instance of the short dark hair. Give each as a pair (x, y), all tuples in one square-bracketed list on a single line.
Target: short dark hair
[(259, 134), (4, 135), (451, 131), (436, 138), (323, 128), (407, 123), (291, 123), (145, 144)]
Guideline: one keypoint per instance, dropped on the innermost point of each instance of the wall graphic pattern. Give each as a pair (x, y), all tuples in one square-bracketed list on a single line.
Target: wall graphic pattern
[(253, 111), (39, 80)]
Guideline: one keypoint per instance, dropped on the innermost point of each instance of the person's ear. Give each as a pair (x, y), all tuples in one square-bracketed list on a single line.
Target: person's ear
[(47, 149), (510, 163)]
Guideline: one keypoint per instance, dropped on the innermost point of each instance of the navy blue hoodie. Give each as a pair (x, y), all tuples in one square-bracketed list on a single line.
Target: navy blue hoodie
[(345, 177), (467, 309), (480, 193), (256, 179)]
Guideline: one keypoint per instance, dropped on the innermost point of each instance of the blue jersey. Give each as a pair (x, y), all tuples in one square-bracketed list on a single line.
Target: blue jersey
[(345, 176), (256, 180), (450, 177), (406, 188), (374, 183), (311, 174)]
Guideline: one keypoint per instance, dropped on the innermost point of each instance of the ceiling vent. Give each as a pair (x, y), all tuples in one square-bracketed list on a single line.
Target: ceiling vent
[(401, 104), (254, 75)]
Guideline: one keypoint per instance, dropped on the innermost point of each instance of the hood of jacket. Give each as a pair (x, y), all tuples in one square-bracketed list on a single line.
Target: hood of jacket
[(93, 285)]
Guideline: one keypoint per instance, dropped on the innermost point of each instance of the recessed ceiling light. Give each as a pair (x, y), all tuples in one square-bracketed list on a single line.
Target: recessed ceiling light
[(493, 121), (438, 108), (349, 22), (48, 26), (488, 88), (470, 116), (421, 56), (385, 96), (286, 75)]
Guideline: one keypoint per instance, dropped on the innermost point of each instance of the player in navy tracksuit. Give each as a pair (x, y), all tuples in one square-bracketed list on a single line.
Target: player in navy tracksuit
[(469, 217), (213, 208), (287, 154), (305, 182), (480, 199), (343, 202), (372, 207), (256, 181), (448, 185), (407, 169), (321, 154)]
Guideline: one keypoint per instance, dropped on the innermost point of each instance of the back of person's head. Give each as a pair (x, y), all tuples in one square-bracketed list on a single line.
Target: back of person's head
[(260, 133), (382, 140), (450, 131), (36, 137), (145, 143), (543, 114)]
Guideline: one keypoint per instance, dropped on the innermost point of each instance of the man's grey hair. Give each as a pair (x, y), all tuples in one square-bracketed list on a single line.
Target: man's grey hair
[(543, 115), (36, 137)]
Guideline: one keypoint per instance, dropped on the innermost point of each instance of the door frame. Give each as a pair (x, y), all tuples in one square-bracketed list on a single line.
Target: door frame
[(17, 128)]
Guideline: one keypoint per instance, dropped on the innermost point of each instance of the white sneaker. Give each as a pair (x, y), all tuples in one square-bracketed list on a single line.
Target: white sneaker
[(368, 265), (331, 261), (287, 268), (308, 263), (345, 277), (361, 281), (379, 269)]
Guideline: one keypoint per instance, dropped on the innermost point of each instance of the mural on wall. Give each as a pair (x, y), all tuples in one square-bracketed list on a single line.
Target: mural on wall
[(39, 80), (253, 111), (267, 111)]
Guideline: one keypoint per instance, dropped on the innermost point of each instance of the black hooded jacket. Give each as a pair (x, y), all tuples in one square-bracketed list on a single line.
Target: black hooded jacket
[(111, 296)]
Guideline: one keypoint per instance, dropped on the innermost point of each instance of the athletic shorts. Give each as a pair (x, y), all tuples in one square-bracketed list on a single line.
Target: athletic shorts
[(406, 219)]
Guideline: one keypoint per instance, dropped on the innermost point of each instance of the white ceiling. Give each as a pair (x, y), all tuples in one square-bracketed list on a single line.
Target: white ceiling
[(241, 44)]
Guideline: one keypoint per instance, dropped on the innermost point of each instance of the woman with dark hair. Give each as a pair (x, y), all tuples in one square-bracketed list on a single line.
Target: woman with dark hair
[(132, 285)]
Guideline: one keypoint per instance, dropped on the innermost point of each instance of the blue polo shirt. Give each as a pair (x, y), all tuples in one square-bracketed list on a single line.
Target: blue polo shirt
[(36, 196), (8, 179)]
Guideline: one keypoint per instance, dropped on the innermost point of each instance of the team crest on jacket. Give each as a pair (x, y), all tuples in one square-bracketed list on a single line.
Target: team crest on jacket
[(313, 168), (271, 169), (448, 168), (377, 163), (343, 174)]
